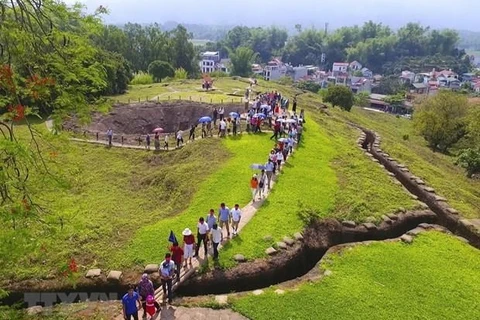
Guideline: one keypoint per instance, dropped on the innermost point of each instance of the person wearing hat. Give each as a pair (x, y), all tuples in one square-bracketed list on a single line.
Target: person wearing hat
[(188, 246), (145, 288), (254, 186)]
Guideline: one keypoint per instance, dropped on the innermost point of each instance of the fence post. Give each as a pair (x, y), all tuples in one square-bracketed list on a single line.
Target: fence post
[(158, 98), (190, 98), (138, 99), (147, 98), (232, 100), (128, 100), (179, 98), (169, 98), (97, 136), (211, 100), (222, 100), (122, 140), (200, 99)]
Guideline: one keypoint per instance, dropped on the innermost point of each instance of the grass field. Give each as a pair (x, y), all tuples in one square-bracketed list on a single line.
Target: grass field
[(436, 277), (436, 169)]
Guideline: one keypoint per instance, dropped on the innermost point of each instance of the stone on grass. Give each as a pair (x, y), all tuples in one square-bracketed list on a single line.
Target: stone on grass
[(423, 205), (414, 197), (425, 225), (151, 268), (282, 245), (439, 198), (327, 273), (114, 275), (429, 189), (387, 219), (268, 238), (386, 155), (401, 209), (452, 211), (467, 223), (439, 228), (391, 174), (375, 160), (298, 236), (420, 181), (390, 159), (392, 216), (415, 231), (381, 166), (370, 219), (270, 251), (34, 310), (239, 258), (279, 291), (406, 238), (288, 241), (93, 273), (257, 292), (221, 300), (399, 165), (369, 226), (349, 224), (404, 169), (397, 182)]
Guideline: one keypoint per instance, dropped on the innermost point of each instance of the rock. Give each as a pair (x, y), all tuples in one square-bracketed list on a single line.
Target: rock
[(428, 189), (386, 155), (420, 181), (93, 273), (268, 238), (221, 300), (279, 291), (414, 197), (401, 166), (387, 219), (404, 170), (257, 292), (415, 231), (282, 245), (369, 226), (467, 223), (375, 160), (391, 174), (425, 226), (151, 268), (239, 258), (368, 154), (349, 224), (452, 211), (327, 273), (288, 241), (406, 238), (462, 239), (423, 205), (438, 228), (397, 182), (298, 236), (270, 251), (381, 166), (392, 216), (439, 198), (34, 310), (390, 159), (114, 275), (401, 209), (370, 219)]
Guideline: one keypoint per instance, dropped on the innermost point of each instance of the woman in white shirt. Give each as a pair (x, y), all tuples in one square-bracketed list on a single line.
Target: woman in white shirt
[(261, 184)]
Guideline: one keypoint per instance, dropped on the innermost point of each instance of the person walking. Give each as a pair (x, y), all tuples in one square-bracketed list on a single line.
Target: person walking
[(177, 256), (221, 113), (262, 181), (147, 140), (202, 231), (299, 133), (156, 141), (192, 133), (224, 217), (145, 289), (294, 106), (273, 159), (209, 130), (129, 304), (280, 158), (188, 244), (166, 271), (165, 144), (211, 220), (254, 186), (110, 137), (216, 239), (215, 116), (151, 307), (234, 126), (276, 130), (236, 215), (222, 128), (204, 131), (179, 138), (269, 166)]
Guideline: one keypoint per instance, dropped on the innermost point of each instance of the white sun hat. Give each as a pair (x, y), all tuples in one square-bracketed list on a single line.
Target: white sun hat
[(187, 232)]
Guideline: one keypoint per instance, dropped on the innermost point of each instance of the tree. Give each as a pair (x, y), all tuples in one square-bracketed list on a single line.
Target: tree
[(441, 120), (180, 74), (184, 55), (241, 60), (309, 86), (340, 96), (389, 85), (362, 99), (160, 70), (469, 159)]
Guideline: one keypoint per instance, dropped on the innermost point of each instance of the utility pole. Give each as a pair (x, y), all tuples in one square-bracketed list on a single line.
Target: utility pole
[(326, 28)]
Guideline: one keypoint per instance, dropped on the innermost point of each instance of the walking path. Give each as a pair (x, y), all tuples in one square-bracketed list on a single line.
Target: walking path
[(247, 214)]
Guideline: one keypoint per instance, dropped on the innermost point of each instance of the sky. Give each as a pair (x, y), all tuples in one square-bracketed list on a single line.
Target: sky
[(455, 14)]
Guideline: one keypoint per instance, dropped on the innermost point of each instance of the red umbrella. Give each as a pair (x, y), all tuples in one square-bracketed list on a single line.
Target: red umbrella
[(158, 130)]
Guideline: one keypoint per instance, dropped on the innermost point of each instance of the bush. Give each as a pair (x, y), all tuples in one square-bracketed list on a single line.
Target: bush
[(142, 78), (180, 74), (340, 96), (469, 159), (160, 70), (309, 86), (218, 74), (286, 81)]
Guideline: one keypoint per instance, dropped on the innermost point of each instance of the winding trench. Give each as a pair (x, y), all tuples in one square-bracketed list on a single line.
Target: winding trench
[(320, 236)]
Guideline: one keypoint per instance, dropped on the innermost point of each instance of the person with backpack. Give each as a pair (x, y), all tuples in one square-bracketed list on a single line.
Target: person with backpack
[(129, 304), (167, 271), (145, 288), (177, 256)]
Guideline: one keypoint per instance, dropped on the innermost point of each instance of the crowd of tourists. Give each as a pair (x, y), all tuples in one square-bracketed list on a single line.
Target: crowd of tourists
[(219, 226)]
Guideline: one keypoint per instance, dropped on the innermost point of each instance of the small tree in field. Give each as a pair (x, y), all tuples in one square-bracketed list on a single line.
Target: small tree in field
[(442, 120), (362, 99), (160, 70), (340, 96), (180, 74)]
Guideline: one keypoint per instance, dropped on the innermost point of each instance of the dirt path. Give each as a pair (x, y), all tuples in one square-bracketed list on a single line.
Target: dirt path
[(182, 313)]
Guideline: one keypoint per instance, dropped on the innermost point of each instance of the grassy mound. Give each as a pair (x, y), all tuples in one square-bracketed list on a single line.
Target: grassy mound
[(434, 278)]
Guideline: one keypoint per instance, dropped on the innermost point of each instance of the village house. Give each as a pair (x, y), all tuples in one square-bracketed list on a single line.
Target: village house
[(367, 73), (407, 77), (257, 69), (355, 66), (476, 87), (340, 69), (208, 61), (274, 70), (360, 84), (297, 73)]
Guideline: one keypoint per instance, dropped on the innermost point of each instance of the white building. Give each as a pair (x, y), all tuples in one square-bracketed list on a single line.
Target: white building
[(297, 73), (339, 68), (209, 61), (355, 65), (274, 70)]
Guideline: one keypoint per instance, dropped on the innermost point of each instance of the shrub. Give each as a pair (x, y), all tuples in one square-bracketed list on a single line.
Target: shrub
[(160, 70), (142, 78), (309, 86), (286, 81), (340, 96), (218, 74), (180, 74), (469, 159)]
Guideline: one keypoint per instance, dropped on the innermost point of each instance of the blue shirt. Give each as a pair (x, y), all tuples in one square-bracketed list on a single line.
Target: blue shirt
[(269, 166), (211, 220), (224, 214), (130, 303)]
